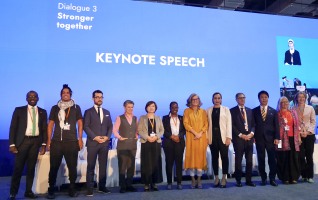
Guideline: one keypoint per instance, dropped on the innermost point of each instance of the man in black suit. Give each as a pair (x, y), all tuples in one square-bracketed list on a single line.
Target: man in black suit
[(27, 134), (266, 136), (243, 139), (98, 127)]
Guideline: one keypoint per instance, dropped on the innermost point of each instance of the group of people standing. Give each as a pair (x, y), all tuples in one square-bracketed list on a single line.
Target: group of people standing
[(287, 135)]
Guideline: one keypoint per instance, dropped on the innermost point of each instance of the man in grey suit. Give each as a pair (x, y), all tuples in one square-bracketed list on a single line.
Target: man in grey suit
[(98, 127)]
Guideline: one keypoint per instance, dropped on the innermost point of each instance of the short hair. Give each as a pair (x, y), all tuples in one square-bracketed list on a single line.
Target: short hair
[(65, 86), (279, 101), (172, 102), (290, 40), (128, 102), (263, 92), (238, 94), (149, 103), (216, 93), (32, 91), (96, 91), (189, 100), (297, 94)]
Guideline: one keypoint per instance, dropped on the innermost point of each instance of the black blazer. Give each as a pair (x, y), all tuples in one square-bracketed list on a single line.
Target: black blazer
[(238, 123), (19, 124), (166, 124), (93, 127), (267, 130)]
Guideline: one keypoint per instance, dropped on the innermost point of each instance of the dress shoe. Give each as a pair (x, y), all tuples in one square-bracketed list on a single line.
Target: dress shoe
[(30, 195), (122, 190), (146, 188), (293, 182), (103, 190), (250, 184), (12, 197), (154, 187), (89, 192), (263, 182), (273, 183), (72, 193), (179, 187), (169, 187), (50, 195), (131, 189), (238, 184)]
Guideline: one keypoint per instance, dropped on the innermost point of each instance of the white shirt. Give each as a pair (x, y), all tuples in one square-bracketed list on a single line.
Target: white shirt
[(29, 129), (174, 124), (101, 112)]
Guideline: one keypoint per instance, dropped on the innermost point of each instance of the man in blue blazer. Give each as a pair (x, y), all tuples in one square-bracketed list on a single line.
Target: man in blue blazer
[(266, 136), (98, 127), (27, 134), (243, 139)]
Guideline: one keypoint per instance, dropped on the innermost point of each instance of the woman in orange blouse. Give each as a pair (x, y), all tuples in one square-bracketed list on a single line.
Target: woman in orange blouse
[(196, 124), (288, 169)]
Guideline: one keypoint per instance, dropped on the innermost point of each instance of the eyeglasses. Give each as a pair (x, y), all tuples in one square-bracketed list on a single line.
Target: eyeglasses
[(240, 97), (98, 97), (196, 99)]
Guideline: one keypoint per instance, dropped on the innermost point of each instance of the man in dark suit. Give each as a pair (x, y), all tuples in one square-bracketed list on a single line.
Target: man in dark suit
[(98, 127), (266, 136), (27, 134), (243, 139)]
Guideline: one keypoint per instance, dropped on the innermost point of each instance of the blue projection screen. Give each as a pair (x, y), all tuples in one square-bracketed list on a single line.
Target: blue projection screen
[(145, 51)]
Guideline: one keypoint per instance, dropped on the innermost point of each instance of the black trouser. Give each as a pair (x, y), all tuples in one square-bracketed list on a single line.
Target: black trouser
[(100, 150), (126, 167), (150, 155), (27, 153), (217, 147), (261, 146), (243, 147), (69, 150), (174, 154), (306, 156), (288, 163)]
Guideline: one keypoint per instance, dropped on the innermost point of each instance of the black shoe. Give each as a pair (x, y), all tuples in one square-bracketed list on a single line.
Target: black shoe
[(50, 195), (286, 182), (12, 197), (72, 193), (104, 190), (122, 190), (146, 188), (154, 188), (250, 184), (131, 189), (90, 192), (263, 182), (273, 183), (30, 195), (239, 184)]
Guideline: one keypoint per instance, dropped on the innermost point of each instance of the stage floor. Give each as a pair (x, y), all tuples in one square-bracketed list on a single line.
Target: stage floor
[(300, 191)]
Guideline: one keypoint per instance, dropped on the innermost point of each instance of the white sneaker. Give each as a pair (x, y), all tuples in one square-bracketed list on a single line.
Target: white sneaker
[(310, 180)]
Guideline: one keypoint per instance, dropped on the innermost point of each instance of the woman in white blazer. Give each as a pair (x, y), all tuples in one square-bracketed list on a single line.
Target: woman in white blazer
[(219, 137), (307, 122)]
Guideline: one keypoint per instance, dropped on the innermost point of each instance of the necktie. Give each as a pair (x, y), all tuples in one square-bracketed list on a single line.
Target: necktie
[(263, 113), (243, 114), (33, 121), (98, 112)]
